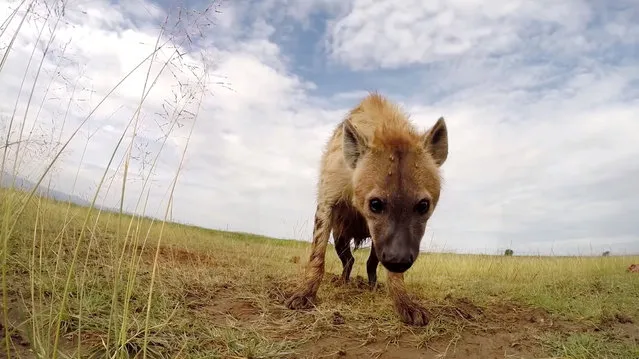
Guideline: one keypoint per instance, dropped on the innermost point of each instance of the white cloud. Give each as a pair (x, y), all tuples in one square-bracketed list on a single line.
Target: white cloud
[(541, 153), (392, 34)]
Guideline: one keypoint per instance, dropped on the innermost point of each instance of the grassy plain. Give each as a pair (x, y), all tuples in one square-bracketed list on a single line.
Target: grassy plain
[(220, 294), (79, 283)]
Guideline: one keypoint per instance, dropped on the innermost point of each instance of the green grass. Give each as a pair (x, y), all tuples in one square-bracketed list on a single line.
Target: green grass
[(220, 294), (587, 345)]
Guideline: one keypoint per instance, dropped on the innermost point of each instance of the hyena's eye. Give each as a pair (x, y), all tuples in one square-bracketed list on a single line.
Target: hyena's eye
[(376, 205), (422, 206)]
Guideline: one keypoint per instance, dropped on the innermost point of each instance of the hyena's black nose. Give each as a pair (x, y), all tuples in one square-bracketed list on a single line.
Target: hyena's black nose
[(396, 258), (398, 267)]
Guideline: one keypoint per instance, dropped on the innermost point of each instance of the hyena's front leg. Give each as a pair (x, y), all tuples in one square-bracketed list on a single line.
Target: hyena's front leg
[(304, 297), (408, 310)]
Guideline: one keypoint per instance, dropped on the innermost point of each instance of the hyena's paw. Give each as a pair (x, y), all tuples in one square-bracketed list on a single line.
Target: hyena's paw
[(375, 286), (300, 301), (339, 281), (412, 313)]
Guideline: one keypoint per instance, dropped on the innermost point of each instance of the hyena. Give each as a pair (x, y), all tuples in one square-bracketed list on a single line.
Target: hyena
[(379, 179)]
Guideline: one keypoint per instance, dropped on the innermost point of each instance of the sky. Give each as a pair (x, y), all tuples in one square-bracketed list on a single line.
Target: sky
[(541, 100)]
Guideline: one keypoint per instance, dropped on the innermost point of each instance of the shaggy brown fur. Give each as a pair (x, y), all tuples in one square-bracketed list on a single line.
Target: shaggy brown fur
[(633, 268), (379, 178)]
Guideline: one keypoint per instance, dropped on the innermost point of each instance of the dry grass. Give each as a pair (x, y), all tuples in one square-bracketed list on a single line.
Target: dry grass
[(219, 294)]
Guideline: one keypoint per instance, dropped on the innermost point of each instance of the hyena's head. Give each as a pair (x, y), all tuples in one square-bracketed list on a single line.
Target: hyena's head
[(396, 185)]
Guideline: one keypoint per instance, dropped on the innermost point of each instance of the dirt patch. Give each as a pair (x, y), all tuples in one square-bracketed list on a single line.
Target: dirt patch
[(623, 318), (217, 302), (219, 311), (18, 332), (461, 307), (459, 329), (623, 324), (499, 345), (196, 295), (467, 347), (629, 332), (176, 255), (20, 345)]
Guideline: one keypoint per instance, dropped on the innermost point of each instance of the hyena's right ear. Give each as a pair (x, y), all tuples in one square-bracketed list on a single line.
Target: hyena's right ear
[(436, 141), (354, 144)]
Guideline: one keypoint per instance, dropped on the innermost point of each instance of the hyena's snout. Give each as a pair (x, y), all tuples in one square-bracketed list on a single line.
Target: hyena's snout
[(398, 254)]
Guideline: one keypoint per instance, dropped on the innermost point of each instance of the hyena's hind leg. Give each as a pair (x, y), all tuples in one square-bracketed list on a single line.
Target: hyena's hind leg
[(343, 249), (371, 267)]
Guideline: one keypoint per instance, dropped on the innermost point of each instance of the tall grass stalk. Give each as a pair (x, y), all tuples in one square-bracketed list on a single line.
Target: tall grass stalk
[(127, 158), (157, 247), (5, 56), (87, 233), (7, 21), (8, 201), (15, 107), (35, 83)]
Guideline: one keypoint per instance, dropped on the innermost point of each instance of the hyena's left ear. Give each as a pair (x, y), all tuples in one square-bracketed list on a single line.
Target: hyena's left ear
[(436, 141), (353, 144)]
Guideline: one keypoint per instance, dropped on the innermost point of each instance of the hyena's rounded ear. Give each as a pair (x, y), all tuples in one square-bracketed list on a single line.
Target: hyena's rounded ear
[(353, 144), (436, 141)]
